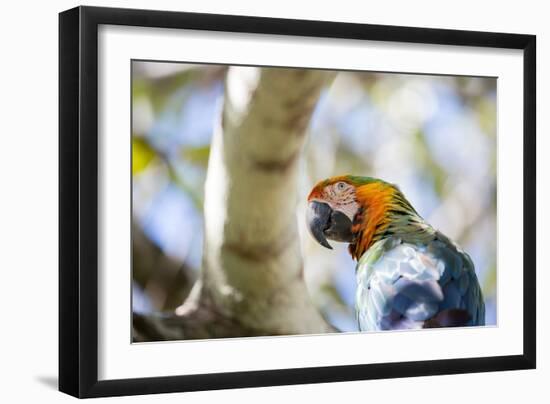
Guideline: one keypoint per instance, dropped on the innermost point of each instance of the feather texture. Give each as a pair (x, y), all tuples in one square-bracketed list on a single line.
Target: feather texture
[(403, 283), (408, 274)]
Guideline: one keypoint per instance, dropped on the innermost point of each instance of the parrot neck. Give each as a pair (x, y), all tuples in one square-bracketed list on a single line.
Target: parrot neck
[(384, 212)]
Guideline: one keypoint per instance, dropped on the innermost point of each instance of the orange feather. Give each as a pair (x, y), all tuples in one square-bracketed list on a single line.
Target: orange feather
[(376, 198)]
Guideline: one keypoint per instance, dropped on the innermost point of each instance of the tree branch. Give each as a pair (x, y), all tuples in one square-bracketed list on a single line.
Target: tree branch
[(154, 270), (252, 277)]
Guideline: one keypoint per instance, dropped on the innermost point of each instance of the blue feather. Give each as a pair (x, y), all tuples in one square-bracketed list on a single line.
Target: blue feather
[(402, 285)]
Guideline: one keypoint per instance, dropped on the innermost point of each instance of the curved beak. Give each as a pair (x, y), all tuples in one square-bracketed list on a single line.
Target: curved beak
[(317, 219), (323, 223)]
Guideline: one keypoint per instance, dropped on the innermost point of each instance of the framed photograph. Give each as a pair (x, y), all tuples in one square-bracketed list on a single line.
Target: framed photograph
[(252, 201)]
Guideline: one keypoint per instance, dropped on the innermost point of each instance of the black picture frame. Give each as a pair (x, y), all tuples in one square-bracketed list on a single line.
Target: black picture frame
[(78, 200)]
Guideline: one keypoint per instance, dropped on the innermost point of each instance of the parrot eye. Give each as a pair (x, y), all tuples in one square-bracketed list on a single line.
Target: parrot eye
[(341, 186)]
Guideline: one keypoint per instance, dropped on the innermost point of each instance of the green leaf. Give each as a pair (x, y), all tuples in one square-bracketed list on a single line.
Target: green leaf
[(142, 154), (197, 155), (490, 281), (160, 91)]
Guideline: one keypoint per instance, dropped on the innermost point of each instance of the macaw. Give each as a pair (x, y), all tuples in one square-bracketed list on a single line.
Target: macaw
[(409, 275)]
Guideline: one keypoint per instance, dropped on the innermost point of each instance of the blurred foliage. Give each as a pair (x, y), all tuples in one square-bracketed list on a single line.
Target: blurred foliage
[(142, 155), (434, 136), (197, 155)]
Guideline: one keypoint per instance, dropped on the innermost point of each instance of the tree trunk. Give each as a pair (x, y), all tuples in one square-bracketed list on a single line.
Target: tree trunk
[(252, 277)]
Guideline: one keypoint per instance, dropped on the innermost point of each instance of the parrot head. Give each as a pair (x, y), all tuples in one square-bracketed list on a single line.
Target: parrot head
[(356, 210)]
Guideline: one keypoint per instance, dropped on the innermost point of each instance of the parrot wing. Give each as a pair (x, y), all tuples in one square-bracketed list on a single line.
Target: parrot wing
[(403, 285)]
